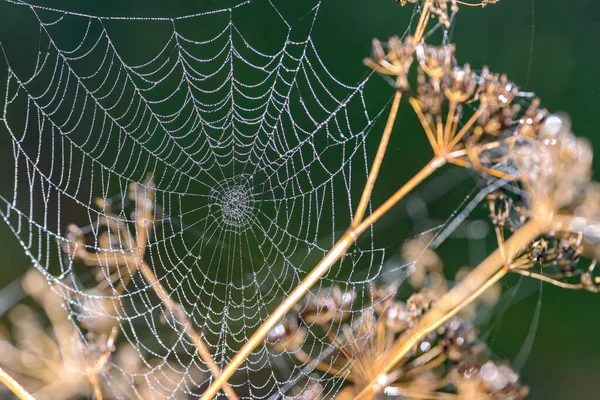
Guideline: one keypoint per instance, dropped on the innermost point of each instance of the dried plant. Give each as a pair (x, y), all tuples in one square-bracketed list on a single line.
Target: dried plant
[(62, 362), (58, 364), (449, 363), (471, 120), (424, 348)]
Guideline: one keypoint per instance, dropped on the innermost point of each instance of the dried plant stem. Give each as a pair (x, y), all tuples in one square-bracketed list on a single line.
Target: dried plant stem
[(546, 279), (14, 386), (423, 20), (336, 252), (494, 267), (489, 171), (175, 309), (426, 128), (366, 194), (97, 391)]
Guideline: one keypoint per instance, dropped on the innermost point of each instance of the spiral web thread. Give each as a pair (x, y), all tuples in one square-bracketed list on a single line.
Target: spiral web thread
[(248, 147)]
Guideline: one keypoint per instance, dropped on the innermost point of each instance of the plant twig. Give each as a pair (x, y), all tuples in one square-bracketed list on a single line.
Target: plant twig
[(423, 20), (385, 137), (182, 318), (14, 386)]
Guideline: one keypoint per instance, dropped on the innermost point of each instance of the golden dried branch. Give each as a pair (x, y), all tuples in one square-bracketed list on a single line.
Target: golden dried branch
[(14, 386)]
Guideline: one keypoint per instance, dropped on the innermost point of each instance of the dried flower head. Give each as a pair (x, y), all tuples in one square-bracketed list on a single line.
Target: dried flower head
[(288, 335), (396, 317), (457, 337), (426, 265), (436, 62), (487, 381), (396, 62), (459, 84), (431, 100), (532, 120), (554, 167), (327, 305), (440, 8), (494, 92)]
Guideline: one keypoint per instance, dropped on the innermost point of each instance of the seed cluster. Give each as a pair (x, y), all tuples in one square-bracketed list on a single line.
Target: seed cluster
[(449, 360)]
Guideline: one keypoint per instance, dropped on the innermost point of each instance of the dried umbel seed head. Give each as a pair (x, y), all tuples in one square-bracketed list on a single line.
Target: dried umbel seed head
[(418, 304), (435, 61), (494, 92), (556, 127), (497, 123), (500, 207), (501, 380), (430, 99), (331, 304), (396, 62), (591, 281), (440, 9), (567, 252), (555, 166), (396, 317), (459, 84), (562, 253), (538, 251), (288, 335), (456, 336), (487, 381), (400, 54), (532, 120)]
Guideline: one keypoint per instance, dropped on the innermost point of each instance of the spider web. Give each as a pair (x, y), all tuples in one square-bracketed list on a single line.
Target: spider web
[(257, 151)]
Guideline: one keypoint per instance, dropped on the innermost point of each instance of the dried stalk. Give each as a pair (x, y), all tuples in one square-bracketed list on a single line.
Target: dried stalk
[(374, 172), (14, 386), (175, 309)]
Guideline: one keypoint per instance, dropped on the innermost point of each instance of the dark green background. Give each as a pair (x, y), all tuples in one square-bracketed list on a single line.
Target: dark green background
[(549, 47)]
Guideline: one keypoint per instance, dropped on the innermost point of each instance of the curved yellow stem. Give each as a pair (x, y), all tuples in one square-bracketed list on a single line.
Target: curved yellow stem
[(14, 386)]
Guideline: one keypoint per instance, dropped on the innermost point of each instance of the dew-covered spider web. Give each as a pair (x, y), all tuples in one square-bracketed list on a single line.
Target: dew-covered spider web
[(221, 152)]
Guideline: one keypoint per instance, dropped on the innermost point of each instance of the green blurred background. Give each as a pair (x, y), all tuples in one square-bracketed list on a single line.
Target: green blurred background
[(549, 47)]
